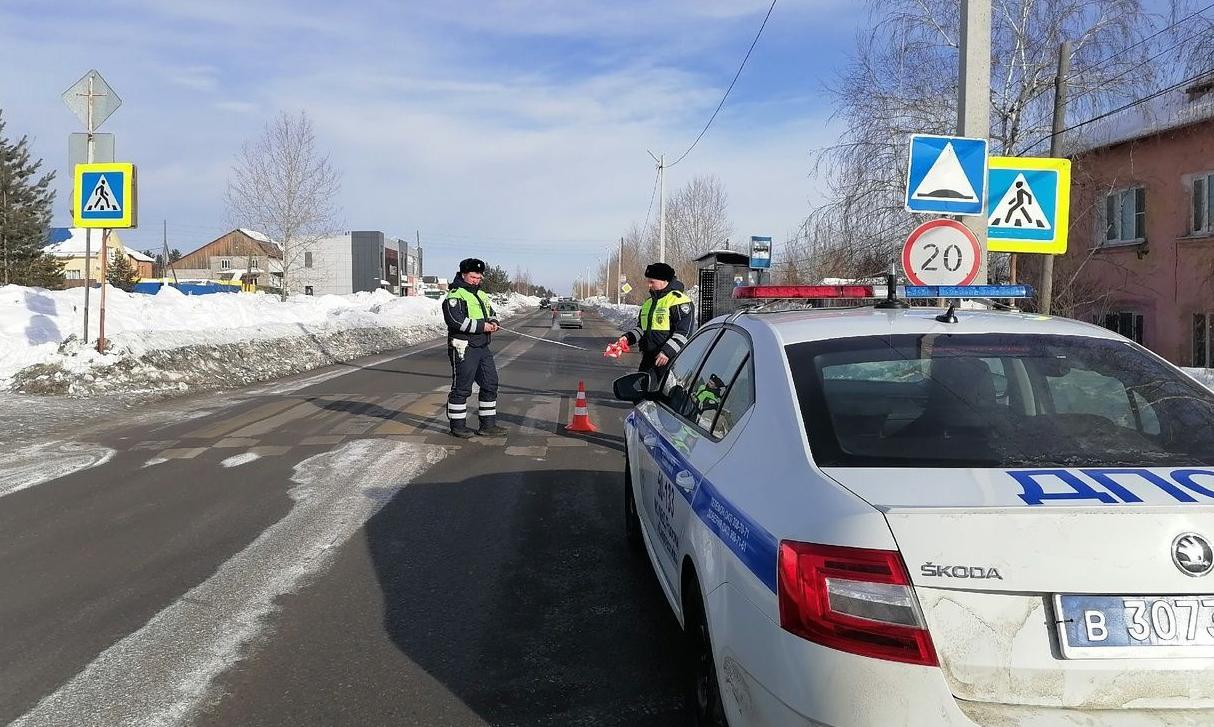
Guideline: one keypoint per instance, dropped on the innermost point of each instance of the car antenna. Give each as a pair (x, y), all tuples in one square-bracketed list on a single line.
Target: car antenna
[(948, 316), (891, 291)]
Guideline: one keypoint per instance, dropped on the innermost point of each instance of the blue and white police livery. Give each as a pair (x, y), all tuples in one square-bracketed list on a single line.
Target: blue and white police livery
[(882, 517)]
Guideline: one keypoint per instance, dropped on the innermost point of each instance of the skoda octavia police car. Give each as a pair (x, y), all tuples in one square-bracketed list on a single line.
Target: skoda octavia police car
[(882, 516)]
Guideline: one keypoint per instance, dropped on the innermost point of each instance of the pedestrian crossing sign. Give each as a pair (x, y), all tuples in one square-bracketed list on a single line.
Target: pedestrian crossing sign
[(104, 196), (1028, 205)]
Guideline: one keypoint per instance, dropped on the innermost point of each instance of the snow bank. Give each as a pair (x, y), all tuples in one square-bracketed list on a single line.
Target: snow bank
[(621, 314), (1205, 376), (171, 340)]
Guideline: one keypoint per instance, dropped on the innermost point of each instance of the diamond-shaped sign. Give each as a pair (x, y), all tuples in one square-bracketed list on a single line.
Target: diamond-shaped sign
[(92, 88)]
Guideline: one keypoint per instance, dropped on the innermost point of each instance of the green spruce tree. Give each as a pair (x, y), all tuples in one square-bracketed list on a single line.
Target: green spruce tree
[(26, 200), (121, 272)]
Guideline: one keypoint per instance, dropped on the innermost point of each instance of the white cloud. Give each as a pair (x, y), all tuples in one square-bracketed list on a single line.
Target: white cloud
[(431, 129)]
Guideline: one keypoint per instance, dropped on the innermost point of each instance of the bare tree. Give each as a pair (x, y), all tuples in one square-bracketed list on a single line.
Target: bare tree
[(697, 220), (285, 188), (902, 79)]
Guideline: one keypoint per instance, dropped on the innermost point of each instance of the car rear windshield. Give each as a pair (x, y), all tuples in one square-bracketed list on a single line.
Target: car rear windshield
[(997, 400), (566, 306)]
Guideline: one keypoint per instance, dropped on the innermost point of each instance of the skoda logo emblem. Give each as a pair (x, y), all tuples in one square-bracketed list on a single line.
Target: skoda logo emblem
[(1192, 554)]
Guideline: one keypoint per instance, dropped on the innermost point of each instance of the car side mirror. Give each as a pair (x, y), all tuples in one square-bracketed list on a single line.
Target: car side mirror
[(634, 388)]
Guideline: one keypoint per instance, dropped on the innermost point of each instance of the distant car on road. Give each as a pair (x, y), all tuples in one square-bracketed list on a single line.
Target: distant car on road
[(545, 303), (567, 314), (908, 516)]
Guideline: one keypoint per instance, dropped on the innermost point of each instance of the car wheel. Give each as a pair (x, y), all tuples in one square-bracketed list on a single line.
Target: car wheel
[(632, 519), (704, 691)]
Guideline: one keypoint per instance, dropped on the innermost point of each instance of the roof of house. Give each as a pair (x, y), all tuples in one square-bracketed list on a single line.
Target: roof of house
[(1173, 110), (70, 241)]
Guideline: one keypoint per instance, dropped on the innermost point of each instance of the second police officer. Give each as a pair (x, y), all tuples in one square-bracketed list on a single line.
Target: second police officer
[(666, 321)]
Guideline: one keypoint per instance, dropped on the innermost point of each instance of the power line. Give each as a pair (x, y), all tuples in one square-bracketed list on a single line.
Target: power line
[(1131, 69), (1156, 34), (1104, 61), (1119, 109), (652, 196), (731, 85)]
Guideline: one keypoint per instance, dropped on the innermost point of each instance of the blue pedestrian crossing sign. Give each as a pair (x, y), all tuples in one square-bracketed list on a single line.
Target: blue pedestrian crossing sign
[(104, 196), (946, 175), (1029, 204)]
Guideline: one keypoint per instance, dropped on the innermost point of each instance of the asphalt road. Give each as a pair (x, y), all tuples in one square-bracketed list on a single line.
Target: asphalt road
[(320, 551)]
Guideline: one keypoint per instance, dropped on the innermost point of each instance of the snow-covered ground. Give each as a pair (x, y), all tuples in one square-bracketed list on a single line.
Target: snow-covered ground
[(623, 315), (174, 341)]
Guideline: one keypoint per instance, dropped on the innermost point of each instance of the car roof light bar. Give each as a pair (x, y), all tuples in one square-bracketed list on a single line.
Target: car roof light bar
[(967, 291), (803, 292)]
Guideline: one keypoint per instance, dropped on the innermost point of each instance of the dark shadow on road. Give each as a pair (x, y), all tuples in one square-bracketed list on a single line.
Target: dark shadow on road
[(525, 601)]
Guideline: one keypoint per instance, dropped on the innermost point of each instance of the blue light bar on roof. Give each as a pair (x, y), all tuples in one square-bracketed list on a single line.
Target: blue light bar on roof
[(968, 291)]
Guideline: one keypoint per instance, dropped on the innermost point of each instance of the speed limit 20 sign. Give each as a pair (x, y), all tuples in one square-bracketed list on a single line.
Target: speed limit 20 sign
[(941, 252)]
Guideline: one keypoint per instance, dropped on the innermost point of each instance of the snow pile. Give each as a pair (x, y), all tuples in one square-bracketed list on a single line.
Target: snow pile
[(174, 341), (621, 314), (1205, 376)]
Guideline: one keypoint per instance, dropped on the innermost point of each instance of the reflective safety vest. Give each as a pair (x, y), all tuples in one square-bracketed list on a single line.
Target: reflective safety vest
[(657, 317), (479, 307)]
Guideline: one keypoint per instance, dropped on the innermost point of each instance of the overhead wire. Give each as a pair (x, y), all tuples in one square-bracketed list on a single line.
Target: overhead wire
[(737, 75)]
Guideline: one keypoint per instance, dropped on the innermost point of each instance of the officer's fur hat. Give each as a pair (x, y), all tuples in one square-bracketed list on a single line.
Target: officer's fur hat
[(659, 271), (471, 265)]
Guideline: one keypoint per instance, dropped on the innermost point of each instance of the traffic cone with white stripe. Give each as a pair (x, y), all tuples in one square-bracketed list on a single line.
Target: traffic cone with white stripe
[(581, 414)]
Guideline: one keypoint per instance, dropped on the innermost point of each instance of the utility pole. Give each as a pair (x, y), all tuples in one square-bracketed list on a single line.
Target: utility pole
[(1064, 70), (619, 272), (974, 99), (661, 160)]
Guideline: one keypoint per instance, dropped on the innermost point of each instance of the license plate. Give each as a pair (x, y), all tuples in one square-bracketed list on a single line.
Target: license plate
[(1121, 627)]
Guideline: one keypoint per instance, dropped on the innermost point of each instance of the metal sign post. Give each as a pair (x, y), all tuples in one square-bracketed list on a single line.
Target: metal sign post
[(93, 101)]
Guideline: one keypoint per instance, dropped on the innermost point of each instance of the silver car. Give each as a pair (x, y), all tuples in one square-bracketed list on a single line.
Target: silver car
[(567, 314)]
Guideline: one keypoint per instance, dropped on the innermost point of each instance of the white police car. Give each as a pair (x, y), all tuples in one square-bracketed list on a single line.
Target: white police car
[(873, 517)]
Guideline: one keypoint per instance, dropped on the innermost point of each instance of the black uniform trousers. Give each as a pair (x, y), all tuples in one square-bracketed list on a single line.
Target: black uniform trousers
[(468, 366)]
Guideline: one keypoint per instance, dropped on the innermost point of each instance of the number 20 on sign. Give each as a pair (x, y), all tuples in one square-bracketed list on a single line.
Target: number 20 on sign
[(941, 252)]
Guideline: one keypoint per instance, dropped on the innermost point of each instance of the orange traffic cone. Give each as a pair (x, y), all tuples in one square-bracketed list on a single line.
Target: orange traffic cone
[(581, 415)]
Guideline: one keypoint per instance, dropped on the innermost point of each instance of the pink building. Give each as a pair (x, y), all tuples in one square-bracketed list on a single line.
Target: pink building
[(1141, 257)]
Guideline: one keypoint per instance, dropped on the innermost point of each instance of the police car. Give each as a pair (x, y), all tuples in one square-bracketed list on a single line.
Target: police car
[(880, 516)]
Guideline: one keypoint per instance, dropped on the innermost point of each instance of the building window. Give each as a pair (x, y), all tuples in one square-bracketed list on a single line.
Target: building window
[(308, 261), (1203, 203), (225, 264), (1125, 215), (1126, 323), (1203, 351), (73, 274), (307, 290)]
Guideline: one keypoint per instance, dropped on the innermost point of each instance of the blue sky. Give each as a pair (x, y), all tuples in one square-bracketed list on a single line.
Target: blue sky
[(513, 130)]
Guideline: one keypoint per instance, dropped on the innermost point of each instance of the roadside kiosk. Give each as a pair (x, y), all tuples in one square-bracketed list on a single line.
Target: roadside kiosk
[(720, 271)]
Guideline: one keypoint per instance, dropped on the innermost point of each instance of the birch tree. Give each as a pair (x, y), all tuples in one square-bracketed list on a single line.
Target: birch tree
[(283, 186)]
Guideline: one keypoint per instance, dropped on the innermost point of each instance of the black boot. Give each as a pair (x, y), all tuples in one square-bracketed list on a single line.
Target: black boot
[(461, 433), (490, 428)]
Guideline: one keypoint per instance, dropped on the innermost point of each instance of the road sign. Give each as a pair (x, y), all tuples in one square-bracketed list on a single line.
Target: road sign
[(1029, 204), (78, 149), (941, 252), (946, 175), (760, 252), (105, 195), (625, 288), (92, 88)]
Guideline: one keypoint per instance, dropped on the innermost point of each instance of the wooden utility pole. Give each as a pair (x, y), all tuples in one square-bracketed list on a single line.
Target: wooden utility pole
[(1064, 70)]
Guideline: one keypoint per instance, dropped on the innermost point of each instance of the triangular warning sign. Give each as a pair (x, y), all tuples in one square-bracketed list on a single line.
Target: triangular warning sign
[(102, 198), (946, 180), (1019, 209)]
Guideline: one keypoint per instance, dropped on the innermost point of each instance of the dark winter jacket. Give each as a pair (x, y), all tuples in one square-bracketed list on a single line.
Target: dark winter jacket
[(466, 310), (666, 322)]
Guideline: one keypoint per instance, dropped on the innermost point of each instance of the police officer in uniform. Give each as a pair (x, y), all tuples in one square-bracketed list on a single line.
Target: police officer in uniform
[(666, 321), (470, 323)]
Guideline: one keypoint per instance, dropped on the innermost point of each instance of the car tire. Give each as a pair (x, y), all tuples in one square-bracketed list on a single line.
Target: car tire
[(704, 705), (632, 519)]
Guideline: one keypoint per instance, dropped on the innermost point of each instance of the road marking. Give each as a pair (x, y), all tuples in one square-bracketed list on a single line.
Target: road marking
[(162, 673), (540, 452), (240, 459), (39, 463), (269, 424), (235, 443), (228, 425)]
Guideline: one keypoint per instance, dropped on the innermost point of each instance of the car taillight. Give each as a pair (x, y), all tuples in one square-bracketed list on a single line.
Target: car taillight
[(579, 314), (852, 599)]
